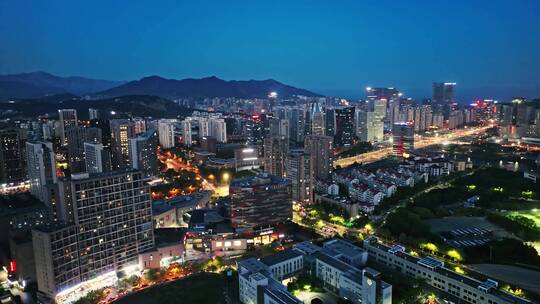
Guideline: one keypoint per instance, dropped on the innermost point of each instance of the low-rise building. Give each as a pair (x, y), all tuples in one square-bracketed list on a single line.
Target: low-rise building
[(433, 272), (339, 265)]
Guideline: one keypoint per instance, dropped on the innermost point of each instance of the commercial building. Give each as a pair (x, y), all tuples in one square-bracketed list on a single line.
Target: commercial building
[(260, 200), (318, 121), (322, 155), (106, 221), (369, 126), (247, 158), (143, 153), (433, 272), (382, 93), (443, 97), (403, 138)]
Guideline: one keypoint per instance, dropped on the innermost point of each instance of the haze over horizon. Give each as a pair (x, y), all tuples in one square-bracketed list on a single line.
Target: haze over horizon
[(487, 47)]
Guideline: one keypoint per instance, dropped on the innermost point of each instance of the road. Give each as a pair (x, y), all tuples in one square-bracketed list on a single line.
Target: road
[(420, 143)]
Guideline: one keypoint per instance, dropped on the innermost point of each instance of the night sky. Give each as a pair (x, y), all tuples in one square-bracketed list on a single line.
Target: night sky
[(490, 48)]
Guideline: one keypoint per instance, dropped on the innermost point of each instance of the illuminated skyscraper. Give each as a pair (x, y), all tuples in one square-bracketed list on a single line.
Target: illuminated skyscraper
[(322, 154), (67, 118), (121, 131), (12, 158), (41, 168), (443, 97), (275, 151), (403, 138), (300, 172), (318, 122), (344, 127)]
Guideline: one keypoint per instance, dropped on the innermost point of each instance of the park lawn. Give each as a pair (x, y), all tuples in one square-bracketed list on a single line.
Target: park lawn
[(531, 214), (203, 288)]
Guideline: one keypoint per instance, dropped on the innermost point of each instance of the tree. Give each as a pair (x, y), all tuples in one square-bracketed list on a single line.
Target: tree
[(152, 275)]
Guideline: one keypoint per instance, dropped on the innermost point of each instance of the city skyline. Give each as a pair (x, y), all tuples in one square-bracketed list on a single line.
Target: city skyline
[(332, 50)]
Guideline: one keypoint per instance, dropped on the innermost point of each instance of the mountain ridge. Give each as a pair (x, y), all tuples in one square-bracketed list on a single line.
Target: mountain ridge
[(40, 83), (210, 86)]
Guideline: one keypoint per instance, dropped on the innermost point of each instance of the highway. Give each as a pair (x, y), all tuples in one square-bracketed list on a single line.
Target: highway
[(420, 142)]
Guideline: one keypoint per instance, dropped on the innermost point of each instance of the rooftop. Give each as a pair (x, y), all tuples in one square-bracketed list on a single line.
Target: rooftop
[(280, 257), (260, 179)]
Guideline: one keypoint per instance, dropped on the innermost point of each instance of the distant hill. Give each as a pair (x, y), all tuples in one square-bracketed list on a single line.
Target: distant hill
[(139, 105), (15, 89), (38, 84), (204, 87)]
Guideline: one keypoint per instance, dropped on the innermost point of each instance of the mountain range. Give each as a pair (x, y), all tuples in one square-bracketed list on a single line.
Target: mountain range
[(40, 84)]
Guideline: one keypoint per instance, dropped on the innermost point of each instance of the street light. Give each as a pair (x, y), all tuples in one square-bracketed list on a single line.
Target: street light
[(225, 176)]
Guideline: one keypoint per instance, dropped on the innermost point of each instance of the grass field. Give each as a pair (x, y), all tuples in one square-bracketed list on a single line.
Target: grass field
[(205, 288), (531, 214)]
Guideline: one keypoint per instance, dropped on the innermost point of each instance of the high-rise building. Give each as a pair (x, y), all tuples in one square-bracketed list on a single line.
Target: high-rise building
[(76, 136), (143, 153), (344, 127), (106, 221), (105, 127), (166, 134), (97, 158), (67, 118), (322, 155), (275, 149), (121, 131), (260, 200), (378, 106), (443, 97), (382, 93), (318, 121), (93, 113), (297, 123), (369, 126), (41, 168), (392, 113), (218, 129), (299, 172), (139, 125), (185, 129), (278, 127), (330, 122), (403, 138), (12, 156)]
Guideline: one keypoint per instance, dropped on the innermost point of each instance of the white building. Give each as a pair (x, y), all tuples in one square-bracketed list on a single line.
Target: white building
[(97, 159), (166, 133), (41, 168), (259, 280), (218, 129), (434, 273)]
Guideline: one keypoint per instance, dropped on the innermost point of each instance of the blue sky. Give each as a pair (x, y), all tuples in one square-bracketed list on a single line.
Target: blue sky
[(490, 48)]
